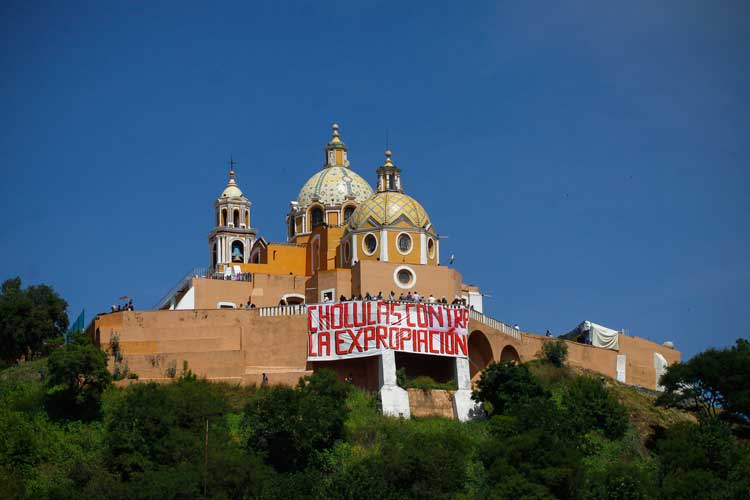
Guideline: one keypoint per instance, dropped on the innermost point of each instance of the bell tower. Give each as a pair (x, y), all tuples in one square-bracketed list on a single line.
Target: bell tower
[(232, 237)]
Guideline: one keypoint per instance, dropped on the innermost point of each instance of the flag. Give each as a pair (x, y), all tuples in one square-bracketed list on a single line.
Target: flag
[(77, 326)]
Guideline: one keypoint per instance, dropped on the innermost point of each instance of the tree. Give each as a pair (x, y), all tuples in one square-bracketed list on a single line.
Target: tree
[(503, 385), (712, 383), (29, 318), (589, 406), (555, 352), (288, 426), (77, 377)]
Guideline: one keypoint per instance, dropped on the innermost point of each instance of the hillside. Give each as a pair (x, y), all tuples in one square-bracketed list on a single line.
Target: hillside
[(643, 414)]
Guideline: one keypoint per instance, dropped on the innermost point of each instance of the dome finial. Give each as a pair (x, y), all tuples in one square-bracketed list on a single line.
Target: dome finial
[(335, 134), (388, 162), (232, 163)]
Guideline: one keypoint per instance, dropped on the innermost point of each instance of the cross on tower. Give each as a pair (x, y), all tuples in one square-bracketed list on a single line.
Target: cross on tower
[(232, 163)]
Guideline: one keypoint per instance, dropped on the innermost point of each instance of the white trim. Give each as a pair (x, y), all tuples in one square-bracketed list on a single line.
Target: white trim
[(295, 295), (384, 245), (364, 247), (354, 249), (411, 244), (422, 248), (406, 286)]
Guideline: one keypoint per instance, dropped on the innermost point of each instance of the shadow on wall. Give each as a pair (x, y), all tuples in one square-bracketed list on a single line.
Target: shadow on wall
[(480, 353)]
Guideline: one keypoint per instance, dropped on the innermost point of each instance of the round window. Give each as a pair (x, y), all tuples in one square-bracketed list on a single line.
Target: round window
[(404, 243), (431, 248), (371, 243), (404, 277)]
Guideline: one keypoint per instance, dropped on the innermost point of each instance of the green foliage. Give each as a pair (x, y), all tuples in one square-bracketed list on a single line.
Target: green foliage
[(703, 461), (287, 426), (29, 319), (503, 385), (555, 352), (712, 383), (588, 406), (77, 378), (551, 435)]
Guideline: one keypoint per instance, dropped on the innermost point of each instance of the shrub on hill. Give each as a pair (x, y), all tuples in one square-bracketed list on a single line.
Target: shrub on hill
[(503, 385), (287, 426), (77, 376), (589, 406), (555, 352)]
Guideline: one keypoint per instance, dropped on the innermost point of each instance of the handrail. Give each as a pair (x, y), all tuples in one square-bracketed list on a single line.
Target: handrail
[(196, 272), (493, 323), (293, 310)]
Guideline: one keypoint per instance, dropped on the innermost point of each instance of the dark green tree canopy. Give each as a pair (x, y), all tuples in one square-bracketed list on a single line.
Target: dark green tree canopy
[(712, 383), (76, 380), (28, 318), (504, 385)]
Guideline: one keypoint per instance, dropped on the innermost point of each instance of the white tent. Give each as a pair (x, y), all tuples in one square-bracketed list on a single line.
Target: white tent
[(596, 335)]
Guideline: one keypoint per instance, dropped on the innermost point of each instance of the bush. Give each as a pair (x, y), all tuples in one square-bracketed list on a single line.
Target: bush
[(503, 385), (589, 406), (555, 352), (288, 426)]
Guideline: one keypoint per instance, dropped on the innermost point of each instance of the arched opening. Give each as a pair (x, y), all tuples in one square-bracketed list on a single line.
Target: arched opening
[(316, 217), (214, 255), (223, 216), (293, 299), (291, 227), (247, 218), (480, 353), (348, 211), (509, 353), (236, 218), (238, 251)]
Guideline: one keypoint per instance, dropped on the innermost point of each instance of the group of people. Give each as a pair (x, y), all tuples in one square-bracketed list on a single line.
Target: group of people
[(409, 297), (123, 307)]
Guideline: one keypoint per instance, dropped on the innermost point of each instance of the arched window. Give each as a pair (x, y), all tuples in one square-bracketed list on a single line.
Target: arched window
[(238, 251), (348, 211), (214, 255), (236, 218), (316, 217), (291, 226), (223, 216), (247, 218), (431, 248)]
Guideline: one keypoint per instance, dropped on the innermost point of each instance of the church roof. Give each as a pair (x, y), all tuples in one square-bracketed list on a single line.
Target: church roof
[(333, 186), (389, 207)]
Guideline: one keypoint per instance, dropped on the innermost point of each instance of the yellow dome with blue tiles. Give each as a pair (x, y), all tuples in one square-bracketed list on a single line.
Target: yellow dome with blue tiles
[(388, 208), (333, 186)]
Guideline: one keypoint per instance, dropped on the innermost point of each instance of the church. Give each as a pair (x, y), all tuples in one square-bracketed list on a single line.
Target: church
[(358, 287)]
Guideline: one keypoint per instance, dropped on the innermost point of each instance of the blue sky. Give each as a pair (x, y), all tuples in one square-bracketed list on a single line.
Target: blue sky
[(587, 160)]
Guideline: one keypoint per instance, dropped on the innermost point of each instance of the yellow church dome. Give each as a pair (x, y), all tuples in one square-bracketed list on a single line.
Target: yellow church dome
[(333, 186), (389, 207)]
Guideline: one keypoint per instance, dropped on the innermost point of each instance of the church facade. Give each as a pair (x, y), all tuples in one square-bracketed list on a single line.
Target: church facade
[(247, 317)]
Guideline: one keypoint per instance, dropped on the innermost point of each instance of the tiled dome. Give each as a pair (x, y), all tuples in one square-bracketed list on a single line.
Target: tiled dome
[(387, 208), (332, 186)]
